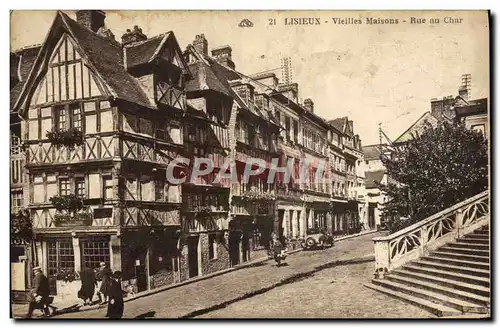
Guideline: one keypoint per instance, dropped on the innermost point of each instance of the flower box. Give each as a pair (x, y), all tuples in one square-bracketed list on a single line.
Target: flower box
[(65, 220)]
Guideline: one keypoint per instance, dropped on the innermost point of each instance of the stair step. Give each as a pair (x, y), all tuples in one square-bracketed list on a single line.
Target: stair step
[(451, 261), (472, 258), (465, 286), (482, 231), (471, 279), (477, 236), (438, 288), (474, 241), (453, 268), (437, 309), (468, 251), (462, 244), (434, 297)]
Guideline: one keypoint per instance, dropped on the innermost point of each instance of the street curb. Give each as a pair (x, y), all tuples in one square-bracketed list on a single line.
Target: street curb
[(356, 235), (182, 283), (201, 278), (286, 280)]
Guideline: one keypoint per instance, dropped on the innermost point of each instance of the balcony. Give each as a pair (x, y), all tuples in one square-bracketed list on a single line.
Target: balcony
[(254, 208), (286, 191)]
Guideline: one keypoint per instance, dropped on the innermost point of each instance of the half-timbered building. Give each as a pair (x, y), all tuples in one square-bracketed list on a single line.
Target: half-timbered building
[(21, 255), (101, 120), (352, 213), (242, 125)]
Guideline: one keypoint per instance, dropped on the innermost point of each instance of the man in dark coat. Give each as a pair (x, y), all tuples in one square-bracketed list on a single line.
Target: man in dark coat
[(39, 293), (88, 285), (115, 293)]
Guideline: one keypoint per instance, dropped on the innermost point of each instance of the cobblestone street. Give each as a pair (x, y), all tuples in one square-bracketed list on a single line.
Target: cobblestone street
[(322, 283), (331, 293)]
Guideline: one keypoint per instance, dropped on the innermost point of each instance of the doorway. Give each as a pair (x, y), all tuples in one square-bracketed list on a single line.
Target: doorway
[(193, 242), (234, 247), (371, 215)]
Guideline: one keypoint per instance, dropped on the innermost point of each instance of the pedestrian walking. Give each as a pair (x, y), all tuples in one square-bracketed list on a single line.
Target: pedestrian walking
[(89, 283), (278, 251), (39, 293), (105, 279), (115, 304)]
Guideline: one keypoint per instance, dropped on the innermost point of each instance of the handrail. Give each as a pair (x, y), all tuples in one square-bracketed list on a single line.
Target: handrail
[(431, 233), (431, 218)]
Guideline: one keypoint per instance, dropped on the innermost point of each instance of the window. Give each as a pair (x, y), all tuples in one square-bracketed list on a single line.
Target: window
[(287, 127), (160, 190), (60, 256), (76, 113), (108, 187), (212, 247), (61, 118), (80, 187), (295, 131), (94, 251), (64, 188), (478, 128), (16, 201)]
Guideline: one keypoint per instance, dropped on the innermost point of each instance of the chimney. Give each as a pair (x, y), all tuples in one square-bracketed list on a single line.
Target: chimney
[(223, 56), (133, 36), (463, 92), (289, 90), (309, 104), (106, 33), (91, 19), (201, 44)]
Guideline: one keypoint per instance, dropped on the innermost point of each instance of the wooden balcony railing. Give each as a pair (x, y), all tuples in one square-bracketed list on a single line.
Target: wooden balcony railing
[(418, 239)]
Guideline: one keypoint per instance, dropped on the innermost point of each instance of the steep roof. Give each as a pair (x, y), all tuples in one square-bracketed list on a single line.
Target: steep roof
[(338, 123), (475, 107), (107, 58), (142, 52), (104, 56), (372, 178), (210, 75), (21, 62), (371, 152), (147, 51), (421, 124)]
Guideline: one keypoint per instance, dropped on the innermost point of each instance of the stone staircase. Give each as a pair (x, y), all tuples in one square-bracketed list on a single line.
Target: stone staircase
[(452, 280)]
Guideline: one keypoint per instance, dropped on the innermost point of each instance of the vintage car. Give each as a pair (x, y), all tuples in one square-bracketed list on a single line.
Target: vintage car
[(316, 238)]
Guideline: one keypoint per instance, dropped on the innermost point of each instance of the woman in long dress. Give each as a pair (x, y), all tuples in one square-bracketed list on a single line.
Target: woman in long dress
[(88, 285)]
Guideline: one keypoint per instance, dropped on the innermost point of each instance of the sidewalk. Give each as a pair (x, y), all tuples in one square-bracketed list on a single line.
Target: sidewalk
[(252, 264)]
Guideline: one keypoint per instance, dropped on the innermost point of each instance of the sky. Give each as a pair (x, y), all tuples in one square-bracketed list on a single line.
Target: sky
[(380, 73)]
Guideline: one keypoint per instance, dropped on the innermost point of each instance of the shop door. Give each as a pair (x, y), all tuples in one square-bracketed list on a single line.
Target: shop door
[(246, 245), (371, 215), (234, 247), (193, 255), (141, 272)]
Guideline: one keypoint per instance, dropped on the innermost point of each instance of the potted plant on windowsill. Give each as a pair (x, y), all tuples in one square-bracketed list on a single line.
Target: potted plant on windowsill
[(69, 138), (68, 207)]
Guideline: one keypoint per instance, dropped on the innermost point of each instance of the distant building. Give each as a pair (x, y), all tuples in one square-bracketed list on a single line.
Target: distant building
[(475, 115), (375, 197)]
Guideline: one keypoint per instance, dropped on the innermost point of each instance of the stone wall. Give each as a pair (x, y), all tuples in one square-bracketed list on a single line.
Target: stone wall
[(221, 261), (161, 278)]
